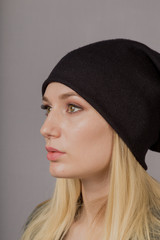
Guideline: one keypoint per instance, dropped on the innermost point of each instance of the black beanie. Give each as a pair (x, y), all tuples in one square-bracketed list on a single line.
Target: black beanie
[(120, 78)]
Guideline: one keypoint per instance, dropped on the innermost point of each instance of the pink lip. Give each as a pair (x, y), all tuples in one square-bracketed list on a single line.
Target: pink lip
[(50, 149), (53, 153)]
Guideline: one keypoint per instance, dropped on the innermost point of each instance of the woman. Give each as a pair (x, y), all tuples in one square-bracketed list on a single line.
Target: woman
[(102, 103)]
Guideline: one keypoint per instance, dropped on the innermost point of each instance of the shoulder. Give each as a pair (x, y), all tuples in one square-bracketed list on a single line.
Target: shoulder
[(155, 230), (35, 211), (156, 213)]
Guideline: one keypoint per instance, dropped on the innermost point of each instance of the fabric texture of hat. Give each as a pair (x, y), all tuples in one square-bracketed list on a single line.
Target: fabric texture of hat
[(120, 78)]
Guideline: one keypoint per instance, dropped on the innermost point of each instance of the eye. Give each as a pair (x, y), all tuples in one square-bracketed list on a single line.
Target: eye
[(47, 108), (73, 106), (70, 107)]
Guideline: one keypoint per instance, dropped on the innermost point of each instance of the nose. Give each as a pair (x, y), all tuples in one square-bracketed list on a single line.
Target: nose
[(51, 126)]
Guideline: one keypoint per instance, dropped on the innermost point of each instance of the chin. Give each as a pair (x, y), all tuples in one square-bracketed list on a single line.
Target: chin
[(60, 170), (58, 174)]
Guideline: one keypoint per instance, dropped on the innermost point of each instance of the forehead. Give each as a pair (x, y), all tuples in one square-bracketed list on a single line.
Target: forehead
[(56, 89), (56, 86)]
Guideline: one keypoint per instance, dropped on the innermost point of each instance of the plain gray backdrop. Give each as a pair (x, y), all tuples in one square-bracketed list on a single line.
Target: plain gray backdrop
[(35, 34)]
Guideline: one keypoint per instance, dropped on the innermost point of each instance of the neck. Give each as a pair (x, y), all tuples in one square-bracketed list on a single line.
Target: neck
[(94, 194)]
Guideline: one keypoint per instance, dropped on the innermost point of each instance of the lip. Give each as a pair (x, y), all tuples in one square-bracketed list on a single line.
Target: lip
[(53, 153), (51, 149), (52, 156)]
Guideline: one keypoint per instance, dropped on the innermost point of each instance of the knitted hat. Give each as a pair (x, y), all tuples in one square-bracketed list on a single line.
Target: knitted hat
[(120, 78)]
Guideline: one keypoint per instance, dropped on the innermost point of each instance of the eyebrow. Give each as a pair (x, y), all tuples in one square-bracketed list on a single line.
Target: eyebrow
[(62, 96)]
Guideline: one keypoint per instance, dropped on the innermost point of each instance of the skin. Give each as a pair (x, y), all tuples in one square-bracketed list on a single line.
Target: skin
[(86, 138)]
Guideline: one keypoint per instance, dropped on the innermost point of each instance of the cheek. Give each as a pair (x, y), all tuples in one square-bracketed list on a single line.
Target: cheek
[(92, 145)]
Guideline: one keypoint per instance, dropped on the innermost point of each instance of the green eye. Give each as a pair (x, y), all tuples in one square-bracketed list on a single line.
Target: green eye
[(47, 108), (72, 107)]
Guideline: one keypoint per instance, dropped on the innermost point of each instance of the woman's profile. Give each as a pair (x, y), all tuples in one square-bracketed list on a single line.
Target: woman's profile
[(102, 104)]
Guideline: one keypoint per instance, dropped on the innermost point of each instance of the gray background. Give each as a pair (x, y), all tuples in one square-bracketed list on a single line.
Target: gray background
[(35, 34)]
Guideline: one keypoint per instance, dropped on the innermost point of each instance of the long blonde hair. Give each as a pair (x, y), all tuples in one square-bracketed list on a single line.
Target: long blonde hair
[(132, 209)]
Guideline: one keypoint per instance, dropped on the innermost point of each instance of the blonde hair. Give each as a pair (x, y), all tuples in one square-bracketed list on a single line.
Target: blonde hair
[(130, 211)]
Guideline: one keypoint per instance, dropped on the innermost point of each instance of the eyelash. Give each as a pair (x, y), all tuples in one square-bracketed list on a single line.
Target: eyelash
[(47, 108)]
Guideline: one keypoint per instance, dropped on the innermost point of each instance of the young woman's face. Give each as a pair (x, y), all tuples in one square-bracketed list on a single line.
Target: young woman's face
[(79, 131)]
